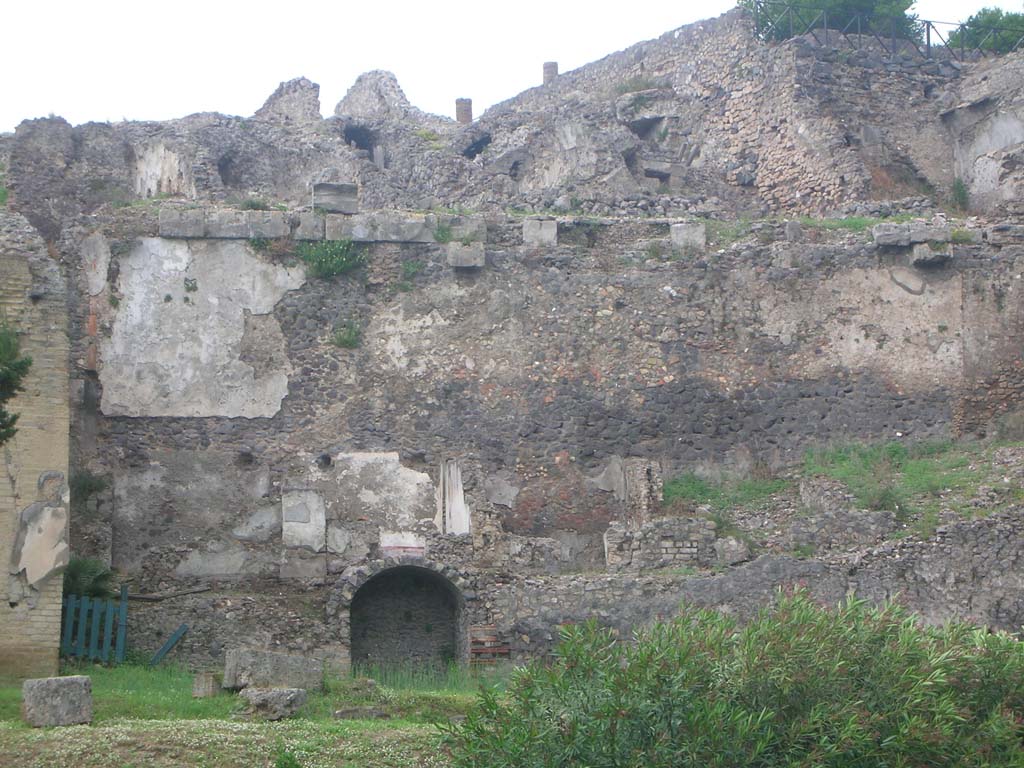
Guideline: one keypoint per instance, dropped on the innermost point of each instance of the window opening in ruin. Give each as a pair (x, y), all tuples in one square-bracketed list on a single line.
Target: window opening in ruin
[(407, 616), (360, 137), (477, 147)]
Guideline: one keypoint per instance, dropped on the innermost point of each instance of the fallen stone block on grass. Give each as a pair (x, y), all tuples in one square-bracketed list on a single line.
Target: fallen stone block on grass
[(50, 701), (273, 703), (245, 667)]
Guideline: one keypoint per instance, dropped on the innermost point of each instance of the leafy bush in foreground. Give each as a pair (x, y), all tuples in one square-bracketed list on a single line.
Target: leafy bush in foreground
[(799, 686)]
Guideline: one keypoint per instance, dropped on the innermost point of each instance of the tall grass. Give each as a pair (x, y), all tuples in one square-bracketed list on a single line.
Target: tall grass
[(895, 475), (721, 496)]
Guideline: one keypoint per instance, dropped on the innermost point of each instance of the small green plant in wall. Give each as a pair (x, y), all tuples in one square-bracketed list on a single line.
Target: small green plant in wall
[(443, 233), (328, 258), (347, 335)]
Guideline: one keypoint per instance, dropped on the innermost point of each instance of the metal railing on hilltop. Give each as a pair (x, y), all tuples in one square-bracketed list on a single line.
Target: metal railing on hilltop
[(779, 20)]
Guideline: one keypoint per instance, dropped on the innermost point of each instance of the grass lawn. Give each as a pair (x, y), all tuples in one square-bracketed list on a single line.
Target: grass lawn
[(147, 717)]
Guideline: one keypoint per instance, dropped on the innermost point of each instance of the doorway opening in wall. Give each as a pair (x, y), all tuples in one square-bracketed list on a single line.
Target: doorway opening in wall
[(410, 617)]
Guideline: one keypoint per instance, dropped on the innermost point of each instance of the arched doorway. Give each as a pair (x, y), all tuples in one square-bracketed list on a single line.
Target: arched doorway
[(407, 615)]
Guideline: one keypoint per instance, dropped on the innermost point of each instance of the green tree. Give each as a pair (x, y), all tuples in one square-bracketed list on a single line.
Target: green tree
[(89, 577), (883, 17), (991, 29), (13, 369)]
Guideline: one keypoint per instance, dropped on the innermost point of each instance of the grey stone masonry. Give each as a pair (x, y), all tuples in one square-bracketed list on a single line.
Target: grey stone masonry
[(244, 667), (273, 703), (182, 222), (222, 223), (336, 198), (466, 255), (310, 226), (382, 227), (690, 235), (540, 232), (204, 685), (53, 701)]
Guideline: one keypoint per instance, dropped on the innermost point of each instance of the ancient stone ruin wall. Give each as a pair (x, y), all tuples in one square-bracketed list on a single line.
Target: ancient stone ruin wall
[(34, 492)]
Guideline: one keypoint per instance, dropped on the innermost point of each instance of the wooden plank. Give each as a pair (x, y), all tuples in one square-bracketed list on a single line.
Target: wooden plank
[(94, 632), (122, 624), (70, 603), (83, 626), (108, 631), (166, 647)]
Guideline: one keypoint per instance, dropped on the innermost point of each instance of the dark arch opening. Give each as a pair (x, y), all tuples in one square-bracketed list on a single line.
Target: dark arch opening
[(360, 137), (478, 146), (407, 615)]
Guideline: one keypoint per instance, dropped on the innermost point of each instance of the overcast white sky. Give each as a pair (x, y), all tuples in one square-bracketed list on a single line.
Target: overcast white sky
[(111, 59)]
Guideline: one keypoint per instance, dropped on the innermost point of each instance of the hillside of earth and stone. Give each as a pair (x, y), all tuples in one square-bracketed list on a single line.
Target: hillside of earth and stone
[(706, 319)]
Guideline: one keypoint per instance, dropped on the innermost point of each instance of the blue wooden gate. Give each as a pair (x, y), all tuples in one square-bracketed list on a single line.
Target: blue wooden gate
[(94, 628)]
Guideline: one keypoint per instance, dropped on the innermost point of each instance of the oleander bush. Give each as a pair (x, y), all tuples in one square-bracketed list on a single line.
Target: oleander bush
[(856, 687)]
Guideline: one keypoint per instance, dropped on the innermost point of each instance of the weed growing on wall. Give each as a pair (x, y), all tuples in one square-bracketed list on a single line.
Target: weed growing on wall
[(961, 197), (328, 258), (799, 685), (443, 233), (348, 335)]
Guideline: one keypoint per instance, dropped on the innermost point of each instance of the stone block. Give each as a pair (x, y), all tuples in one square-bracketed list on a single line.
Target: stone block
[(925, 255), (361, 713), (204, 685), (466, 256), (300, 565), (1005, 234), (303, 520), (690, 235), (311, 226), (227, 224), (465, 228), (182, 222), (794, 232), (336, 198), (268, 224), (891, 234), (922, 232), (50, 701), (540, 232), (249, 667), (273, 703), (382, 227)]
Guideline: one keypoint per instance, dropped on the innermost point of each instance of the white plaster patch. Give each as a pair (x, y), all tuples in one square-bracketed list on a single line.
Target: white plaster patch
[(160, 171), (376, 486), (404, 343), (45, 548), (95, 252), (303, 520), (175, 345)]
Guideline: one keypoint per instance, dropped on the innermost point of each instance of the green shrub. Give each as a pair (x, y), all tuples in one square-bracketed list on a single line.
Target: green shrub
[(13, 370), (88, 576), (961, 197), (327, 258), (961, 236), (254, 204), (854, 687)]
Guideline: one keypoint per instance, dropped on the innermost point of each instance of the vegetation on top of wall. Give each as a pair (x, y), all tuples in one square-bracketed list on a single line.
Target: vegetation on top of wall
[(780, 20), (14, 368), (3, 188), (328, 258), (634, 84), (724, 495), (904, 478), (799, 685)]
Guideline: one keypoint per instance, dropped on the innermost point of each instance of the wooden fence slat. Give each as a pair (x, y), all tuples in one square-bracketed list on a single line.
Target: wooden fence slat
[(108, 631), (166, 647), (122, 624), (70, 603), (83, 626), (94, 633)]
